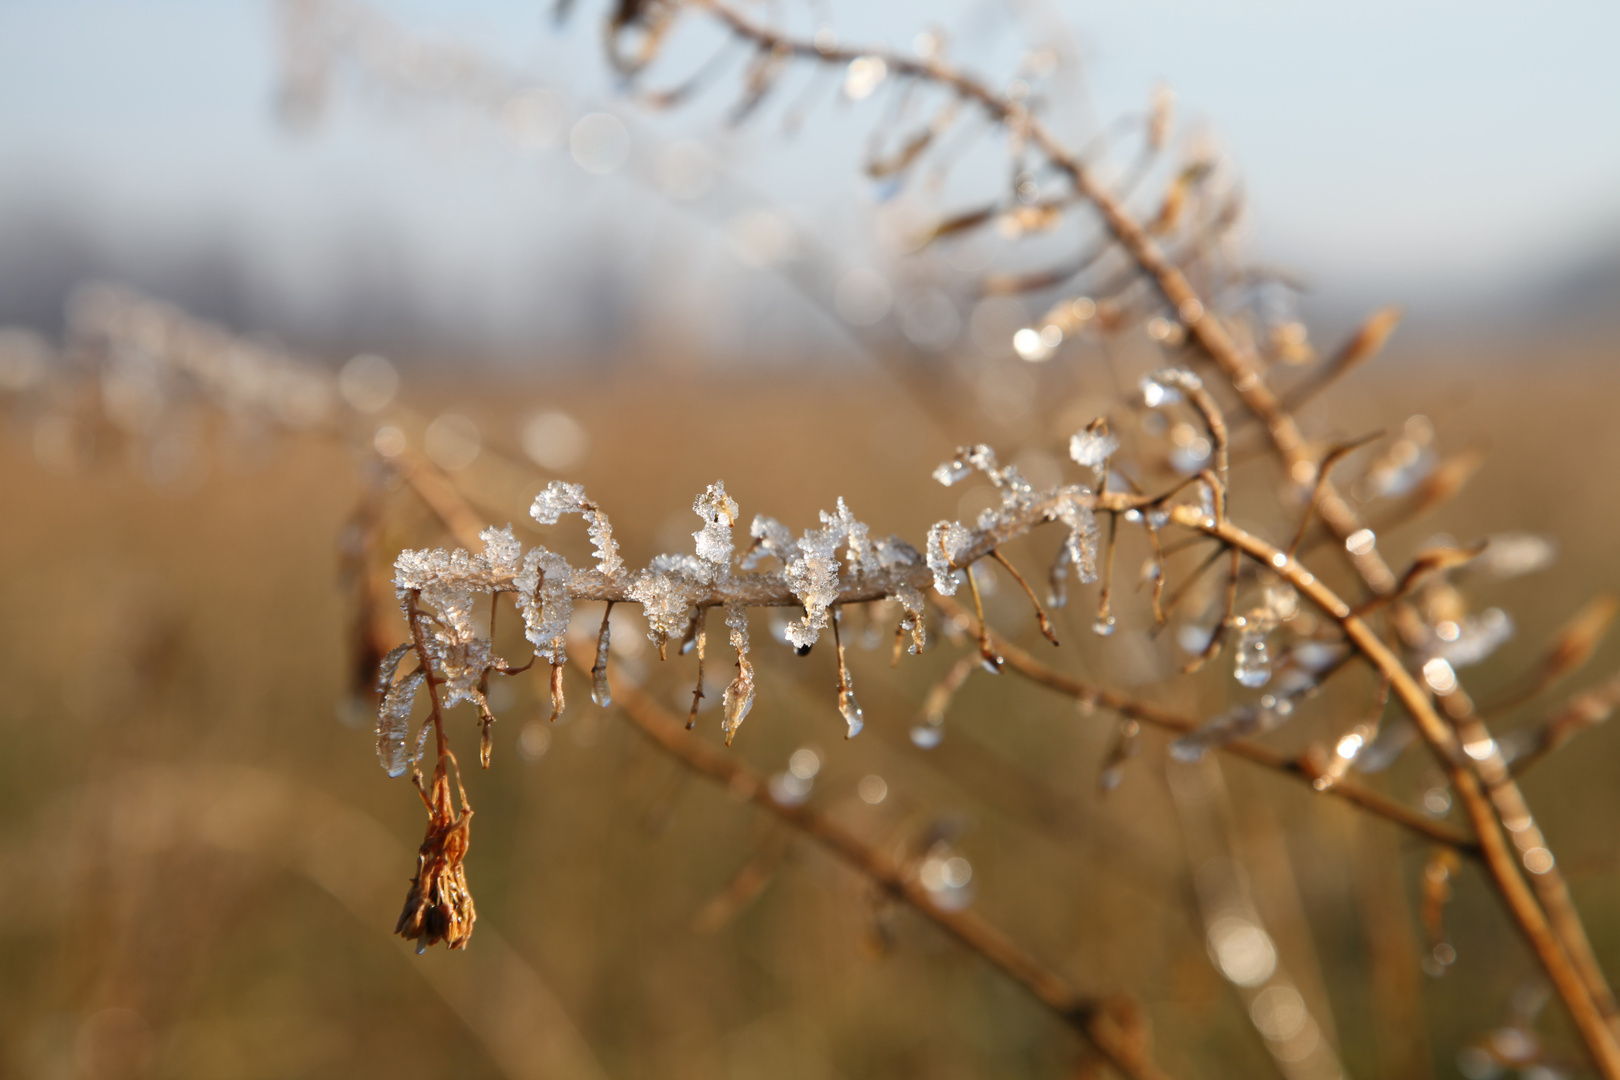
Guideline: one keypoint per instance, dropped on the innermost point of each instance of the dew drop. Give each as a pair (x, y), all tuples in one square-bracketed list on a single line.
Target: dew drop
[(1252, 666), (927, 736), (850, 709), (1103, 627)]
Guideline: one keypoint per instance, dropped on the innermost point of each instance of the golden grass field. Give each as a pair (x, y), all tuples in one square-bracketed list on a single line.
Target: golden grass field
[(204, 862)]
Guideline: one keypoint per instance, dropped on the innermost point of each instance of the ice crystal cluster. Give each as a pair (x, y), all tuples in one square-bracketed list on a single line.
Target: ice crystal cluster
[(952, 545), (1093, 446), (447, 595)]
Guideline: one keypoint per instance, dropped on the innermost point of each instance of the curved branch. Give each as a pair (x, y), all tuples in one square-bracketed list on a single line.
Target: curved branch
[(1109, 1024), (1375, 802), (1554, 948)]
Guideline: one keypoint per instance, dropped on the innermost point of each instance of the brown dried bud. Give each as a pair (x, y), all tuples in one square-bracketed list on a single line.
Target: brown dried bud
[(1368, 341), (439, 905)]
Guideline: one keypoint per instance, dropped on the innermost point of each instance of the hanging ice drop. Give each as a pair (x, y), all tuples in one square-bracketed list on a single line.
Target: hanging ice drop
[(1252, 666), (850, 709)]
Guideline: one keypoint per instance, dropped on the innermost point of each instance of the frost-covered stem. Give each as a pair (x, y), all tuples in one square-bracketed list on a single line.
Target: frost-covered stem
[(443, 758), (1555, 943), (750, 590), (1298, 768), (1109, 1024), (415, 616)]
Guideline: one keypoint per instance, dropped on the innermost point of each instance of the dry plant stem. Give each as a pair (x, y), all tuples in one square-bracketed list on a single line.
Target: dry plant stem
[(1521, 828), (1366, 343), (1298, 768), (700, 641), (1122, 704), (1572, 649), (1157, 595), (1334, 456), (1236, 364), (1187, 584), (1105, 617), (1228, 605), (1207, 331), (1040, 612), (439, 492), (1239, 368), (1554, 948), (1554, 941), (991, 660), (1216, 424), (745, 885), (1098, 1020), (1579, 713)]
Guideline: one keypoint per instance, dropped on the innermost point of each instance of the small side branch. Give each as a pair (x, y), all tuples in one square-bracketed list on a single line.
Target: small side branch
[(1107, 1023)]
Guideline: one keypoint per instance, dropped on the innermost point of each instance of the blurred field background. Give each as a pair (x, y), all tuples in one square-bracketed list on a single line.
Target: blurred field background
[(199, 833), (204, 861)]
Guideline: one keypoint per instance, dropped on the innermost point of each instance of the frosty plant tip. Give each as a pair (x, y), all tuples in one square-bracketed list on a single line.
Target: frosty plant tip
[(819, 572)]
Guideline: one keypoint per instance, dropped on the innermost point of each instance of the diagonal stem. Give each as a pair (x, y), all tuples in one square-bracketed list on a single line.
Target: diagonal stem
[(1107, 1023)]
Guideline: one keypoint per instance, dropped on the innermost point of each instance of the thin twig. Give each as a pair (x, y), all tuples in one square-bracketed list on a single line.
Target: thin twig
[(1334, 456), (1295, 767), (1102, 1021), (1040, 612), (1555, 946)]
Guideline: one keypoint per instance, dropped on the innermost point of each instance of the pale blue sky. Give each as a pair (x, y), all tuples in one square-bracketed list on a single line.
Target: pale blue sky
[(1408, 146)]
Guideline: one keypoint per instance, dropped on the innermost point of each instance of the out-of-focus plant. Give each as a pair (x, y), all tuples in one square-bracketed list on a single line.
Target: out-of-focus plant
[(1140, 249)]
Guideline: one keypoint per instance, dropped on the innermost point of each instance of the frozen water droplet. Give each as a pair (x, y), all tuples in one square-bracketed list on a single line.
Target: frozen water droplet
[(600, 694), (927, 736), (1187, 750), (1093, 446), (850, 710), (1103, 627), (1252, 666), (739, 698), (394, 722)]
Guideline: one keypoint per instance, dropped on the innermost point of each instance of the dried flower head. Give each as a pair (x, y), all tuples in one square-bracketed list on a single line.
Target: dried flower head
[(439, 905)]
